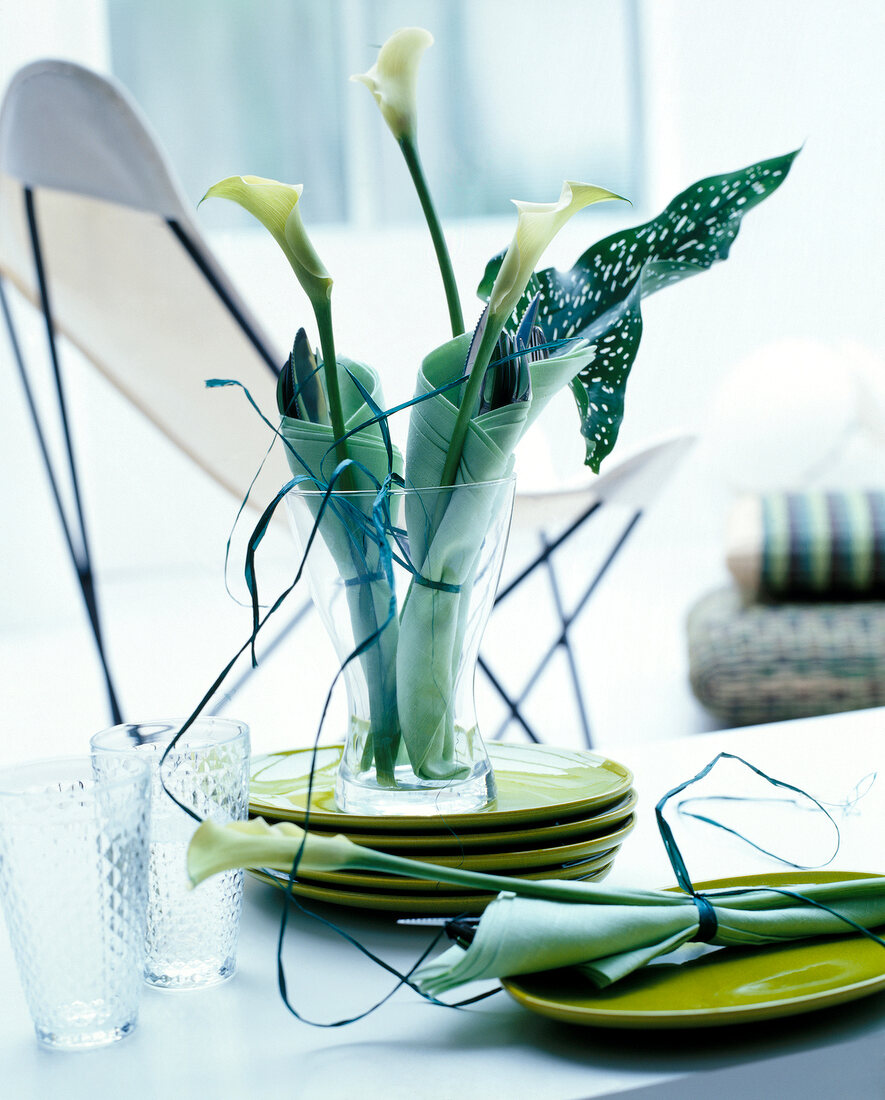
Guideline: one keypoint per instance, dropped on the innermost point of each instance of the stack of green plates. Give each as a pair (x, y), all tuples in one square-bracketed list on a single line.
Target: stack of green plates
[(560, 813)]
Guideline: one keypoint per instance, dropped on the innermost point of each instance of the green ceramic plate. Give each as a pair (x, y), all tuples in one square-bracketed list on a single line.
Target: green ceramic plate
[(726, 986), (418, 905), (398, 885), (540, 836), (525, 859), (535, 783)]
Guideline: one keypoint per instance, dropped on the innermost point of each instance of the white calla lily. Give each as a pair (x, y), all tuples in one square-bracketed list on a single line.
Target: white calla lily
[(393, 79), (309, 268), (275, 205), (537, 225)]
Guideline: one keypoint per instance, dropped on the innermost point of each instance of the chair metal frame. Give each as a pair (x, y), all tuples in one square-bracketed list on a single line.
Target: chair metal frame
[(562, 641), (74, 526)]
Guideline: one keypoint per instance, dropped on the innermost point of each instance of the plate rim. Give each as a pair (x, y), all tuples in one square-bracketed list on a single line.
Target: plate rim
[(403, 823), (390, 882), (500, 840), (419, 904), (561, 853)]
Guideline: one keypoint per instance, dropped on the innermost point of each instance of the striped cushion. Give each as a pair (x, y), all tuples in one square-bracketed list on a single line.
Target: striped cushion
[(762, 662), (812, 544)]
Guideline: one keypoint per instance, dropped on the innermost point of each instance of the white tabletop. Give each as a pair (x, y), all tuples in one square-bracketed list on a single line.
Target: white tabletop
[(237, 1040)]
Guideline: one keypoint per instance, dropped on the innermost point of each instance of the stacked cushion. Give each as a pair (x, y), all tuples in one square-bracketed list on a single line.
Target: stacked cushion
[(762, 662), (809, 545), (802, 631)]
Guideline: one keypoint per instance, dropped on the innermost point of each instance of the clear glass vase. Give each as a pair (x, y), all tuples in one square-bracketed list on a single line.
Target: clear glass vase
[(404, 581)]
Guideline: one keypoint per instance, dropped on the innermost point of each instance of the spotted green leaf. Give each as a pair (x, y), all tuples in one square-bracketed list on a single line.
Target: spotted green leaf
[(600, 298)]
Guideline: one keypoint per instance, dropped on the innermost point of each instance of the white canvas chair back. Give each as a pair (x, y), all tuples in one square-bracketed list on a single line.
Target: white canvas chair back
[(131, 281), (95, 232)]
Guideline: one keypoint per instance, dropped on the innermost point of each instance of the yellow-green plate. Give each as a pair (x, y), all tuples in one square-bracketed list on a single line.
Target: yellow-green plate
[(726, 986), (418, 905), (535, 783), (540, 836), (524, 859), (397, 884)]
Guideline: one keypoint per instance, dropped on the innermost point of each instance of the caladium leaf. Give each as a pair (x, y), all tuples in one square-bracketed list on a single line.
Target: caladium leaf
[(599, 299)]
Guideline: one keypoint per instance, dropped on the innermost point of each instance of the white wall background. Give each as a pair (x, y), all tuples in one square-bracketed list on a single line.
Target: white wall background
[(725, 86)]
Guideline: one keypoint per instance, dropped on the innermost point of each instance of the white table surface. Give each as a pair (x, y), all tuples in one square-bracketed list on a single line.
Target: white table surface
[(237, 1040)]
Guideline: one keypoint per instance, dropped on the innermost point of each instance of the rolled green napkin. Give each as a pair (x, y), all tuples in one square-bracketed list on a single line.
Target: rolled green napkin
[(359, 559), (607, 942), (312, 450), (537, 925), (446, 530)]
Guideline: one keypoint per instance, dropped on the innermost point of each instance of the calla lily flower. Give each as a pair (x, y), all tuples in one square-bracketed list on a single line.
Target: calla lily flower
[(215, 848), (275, 205), (393, 79), (537, 225)]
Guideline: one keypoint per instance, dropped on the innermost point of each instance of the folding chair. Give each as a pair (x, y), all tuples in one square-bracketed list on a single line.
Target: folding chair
[(96, 233), (559, 519)]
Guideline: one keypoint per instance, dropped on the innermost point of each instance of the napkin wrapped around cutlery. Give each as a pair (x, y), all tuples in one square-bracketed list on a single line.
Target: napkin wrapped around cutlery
[(540, 925), (347, 529), (607, 942), (445, 534)]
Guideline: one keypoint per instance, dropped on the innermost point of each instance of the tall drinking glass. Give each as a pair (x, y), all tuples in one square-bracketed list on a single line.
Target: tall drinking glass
[(73, 880), (192, 934)]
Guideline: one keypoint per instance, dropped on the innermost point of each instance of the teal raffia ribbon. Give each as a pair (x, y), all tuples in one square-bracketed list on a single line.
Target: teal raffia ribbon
[(533, 925), (607, 933), (606, 942), (708, 922)]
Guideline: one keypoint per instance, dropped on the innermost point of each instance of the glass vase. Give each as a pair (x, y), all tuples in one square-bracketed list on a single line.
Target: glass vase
[(404, 580)]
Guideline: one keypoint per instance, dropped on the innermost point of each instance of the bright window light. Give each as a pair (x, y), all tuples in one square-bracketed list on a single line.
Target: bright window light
[(514, 96)]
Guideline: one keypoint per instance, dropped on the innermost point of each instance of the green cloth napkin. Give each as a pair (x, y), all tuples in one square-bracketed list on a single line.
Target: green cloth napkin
[(314, 443), (607, 942), (411, 668), (446, 529), (541, 925), (359, 559)]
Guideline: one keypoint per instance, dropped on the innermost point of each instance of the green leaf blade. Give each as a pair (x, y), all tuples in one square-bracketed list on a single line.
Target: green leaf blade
[(600, 388), (599, 299)]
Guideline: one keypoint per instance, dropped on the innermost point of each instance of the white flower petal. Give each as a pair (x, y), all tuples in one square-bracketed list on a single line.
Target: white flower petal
[(393, 78), (275, 205), (537, 224)]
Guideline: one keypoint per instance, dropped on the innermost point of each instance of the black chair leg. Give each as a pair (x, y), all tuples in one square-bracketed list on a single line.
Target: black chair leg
[(569, 653), (545, 557), (76, 539)]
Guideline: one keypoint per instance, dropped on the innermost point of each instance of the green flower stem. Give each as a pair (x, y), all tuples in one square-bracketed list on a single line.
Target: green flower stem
[(470, 397), (410, 152), (322, 309)]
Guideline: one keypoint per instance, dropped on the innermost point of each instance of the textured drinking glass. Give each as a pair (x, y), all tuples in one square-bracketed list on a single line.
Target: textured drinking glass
[(191, 934), (73, 879)]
